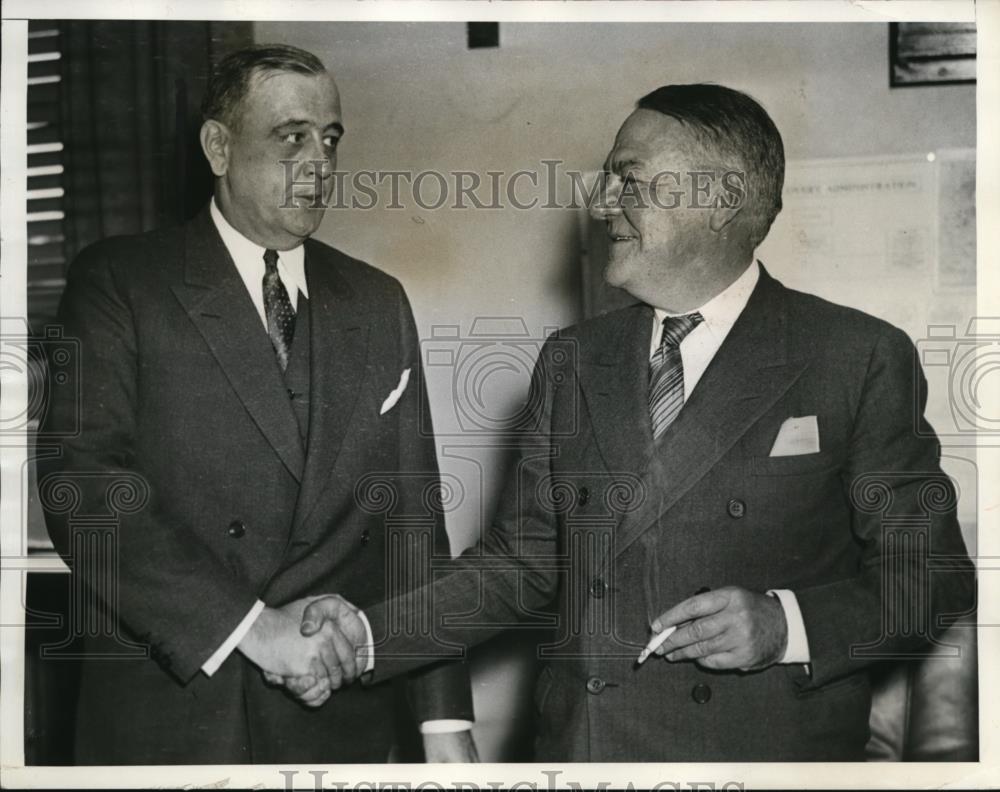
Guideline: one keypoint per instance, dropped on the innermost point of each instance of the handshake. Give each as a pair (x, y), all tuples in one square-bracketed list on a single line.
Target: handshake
[(312, 646)]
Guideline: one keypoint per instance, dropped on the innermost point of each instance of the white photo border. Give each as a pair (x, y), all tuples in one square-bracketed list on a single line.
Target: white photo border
[(984, 773)]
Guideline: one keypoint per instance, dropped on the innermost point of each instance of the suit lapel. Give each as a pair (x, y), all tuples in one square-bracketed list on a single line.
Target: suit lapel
[(748, 374), (615, 382), (338, 362), (216, 300)]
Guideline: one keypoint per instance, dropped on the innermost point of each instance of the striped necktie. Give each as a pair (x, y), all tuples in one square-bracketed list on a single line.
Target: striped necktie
[(666, 372), (278, 309)]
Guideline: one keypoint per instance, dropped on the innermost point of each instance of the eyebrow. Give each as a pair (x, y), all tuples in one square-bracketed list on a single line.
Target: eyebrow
[(616, 164), (336, 126)]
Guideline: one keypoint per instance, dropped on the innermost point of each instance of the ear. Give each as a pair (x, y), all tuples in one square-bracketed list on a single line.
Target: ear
[(730, 197), (214, 138), (722, 216)]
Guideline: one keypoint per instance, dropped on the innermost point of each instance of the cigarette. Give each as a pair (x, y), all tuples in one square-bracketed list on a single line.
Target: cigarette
[(655, 643)]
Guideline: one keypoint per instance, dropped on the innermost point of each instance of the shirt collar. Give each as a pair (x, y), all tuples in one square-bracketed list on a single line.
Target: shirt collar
[(722, 311), (291, 263)]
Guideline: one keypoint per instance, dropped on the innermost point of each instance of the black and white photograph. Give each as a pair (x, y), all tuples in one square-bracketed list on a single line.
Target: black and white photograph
[(470, 395)]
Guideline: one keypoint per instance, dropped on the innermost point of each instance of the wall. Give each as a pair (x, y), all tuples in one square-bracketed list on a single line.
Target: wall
[(415, 98)]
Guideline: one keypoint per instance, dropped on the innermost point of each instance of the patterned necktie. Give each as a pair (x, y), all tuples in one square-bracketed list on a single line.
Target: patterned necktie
[(278, 309), (666, 372)]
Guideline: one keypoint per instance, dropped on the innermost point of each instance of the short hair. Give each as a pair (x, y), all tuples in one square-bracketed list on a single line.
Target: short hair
[(735, 126), (230, 80)]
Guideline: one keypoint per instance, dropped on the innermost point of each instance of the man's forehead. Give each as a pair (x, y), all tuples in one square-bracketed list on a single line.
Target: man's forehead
[(291, 95), (649, 128), (647, 135)]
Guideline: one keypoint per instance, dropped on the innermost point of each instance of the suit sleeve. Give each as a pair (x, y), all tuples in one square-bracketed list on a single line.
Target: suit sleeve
[(442, 690), (155, 577), (904, 517), (492, 585)]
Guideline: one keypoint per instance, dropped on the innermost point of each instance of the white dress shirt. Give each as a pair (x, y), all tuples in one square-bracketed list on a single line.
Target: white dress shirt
[(249, 260), (697, 350)]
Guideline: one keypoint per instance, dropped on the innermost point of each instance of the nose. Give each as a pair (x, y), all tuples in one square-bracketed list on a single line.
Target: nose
[(608, 198), (317, 159)]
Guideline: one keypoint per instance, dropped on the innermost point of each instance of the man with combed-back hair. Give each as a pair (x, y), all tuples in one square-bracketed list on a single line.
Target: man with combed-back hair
[(737, 469), (243, 379)]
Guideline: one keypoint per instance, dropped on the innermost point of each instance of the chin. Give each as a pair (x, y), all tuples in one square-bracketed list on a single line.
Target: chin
[(621, 277), (305, 224), (616, 273)]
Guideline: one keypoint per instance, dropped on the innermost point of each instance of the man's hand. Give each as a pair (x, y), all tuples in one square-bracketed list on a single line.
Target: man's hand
[(450, 747), (276, 644), (728, 628), (334, 616)]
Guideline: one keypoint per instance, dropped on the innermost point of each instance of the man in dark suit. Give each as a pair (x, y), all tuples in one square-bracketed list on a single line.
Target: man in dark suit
[(238, 380), (730, 460)]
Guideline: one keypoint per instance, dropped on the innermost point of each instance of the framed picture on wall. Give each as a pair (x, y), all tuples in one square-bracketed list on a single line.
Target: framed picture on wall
[(931, 53)]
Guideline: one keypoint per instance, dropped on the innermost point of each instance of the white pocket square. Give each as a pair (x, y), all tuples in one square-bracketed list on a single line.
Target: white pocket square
[(797, 436), (393, 397)]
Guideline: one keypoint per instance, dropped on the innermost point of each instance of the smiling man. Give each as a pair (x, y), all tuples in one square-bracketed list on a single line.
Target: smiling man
[(712, 468), (234, 377)]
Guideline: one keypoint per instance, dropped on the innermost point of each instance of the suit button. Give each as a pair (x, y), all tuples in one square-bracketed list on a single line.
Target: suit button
[(595, 685), (736, 508), (237, 528), (291, 394), (597, 587), (584, 497), (366, 537), (701, 693)]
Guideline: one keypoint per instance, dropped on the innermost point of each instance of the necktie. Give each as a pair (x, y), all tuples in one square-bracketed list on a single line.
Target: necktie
[(277, 309), (666, 372)]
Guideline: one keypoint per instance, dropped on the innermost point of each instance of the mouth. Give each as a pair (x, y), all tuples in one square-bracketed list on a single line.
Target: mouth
[(305, 199), (617, 238)]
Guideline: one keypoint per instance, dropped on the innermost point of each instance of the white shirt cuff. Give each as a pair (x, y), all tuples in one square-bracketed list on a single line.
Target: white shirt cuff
[(219, 657), (444, 726), (797, 649), (369, 649)]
